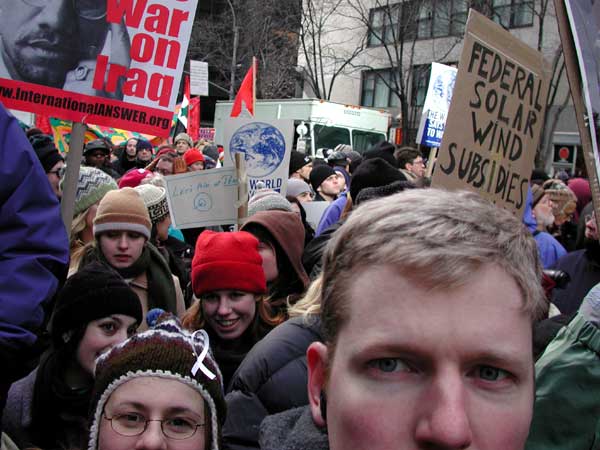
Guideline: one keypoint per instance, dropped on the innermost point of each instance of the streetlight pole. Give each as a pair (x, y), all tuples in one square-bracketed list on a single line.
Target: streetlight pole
[(234, 55)]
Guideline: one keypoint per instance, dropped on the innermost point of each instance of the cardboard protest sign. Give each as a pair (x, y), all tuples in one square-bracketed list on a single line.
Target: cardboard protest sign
[(267, 146), (203, 198), (109, 62), (579, 26), (437, 102), (495, 119)]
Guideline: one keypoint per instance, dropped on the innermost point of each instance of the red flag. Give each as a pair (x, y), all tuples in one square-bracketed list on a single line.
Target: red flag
[(43, 123), (246, 93), (193, 128)]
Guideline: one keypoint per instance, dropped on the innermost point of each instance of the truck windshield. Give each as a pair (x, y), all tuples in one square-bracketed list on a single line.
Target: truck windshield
[(363, 140), (329, 137)]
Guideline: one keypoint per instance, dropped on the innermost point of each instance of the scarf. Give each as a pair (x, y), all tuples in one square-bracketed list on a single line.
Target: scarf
[(58, 412), (161, 288)]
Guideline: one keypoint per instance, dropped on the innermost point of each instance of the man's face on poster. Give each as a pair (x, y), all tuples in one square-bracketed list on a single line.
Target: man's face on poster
[(41, 41)]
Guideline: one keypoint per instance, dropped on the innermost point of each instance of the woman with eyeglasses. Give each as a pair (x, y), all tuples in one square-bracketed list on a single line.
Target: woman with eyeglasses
[(94, 311), (161, 389)]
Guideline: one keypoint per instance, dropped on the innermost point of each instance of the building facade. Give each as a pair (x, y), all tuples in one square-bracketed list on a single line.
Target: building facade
[(388, 47)]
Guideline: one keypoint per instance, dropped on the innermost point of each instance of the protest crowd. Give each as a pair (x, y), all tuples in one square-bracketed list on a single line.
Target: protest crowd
[(283, 335), (359, 306)]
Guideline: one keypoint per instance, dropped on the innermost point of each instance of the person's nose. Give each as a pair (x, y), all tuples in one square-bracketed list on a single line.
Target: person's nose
[(58, 14), (444, 422), (152, 438), (123, 242), (224, 306)]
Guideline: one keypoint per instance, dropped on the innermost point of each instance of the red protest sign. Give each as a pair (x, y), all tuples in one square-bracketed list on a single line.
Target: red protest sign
[(112, 62)]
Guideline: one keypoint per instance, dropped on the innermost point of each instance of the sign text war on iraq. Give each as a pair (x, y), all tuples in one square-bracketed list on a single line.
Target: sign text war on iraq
[(158, 44)]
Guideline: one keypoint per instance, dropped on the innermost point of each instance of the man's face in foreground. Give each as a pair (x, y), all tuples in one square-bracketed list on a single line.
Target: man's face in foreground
[(421, 369), (40, 41)]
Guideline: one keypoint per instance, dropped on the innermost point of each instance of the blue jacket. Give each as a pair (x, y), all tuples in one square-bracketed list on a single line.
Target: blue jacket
[(549, 249), (34, 248), (333, 213)]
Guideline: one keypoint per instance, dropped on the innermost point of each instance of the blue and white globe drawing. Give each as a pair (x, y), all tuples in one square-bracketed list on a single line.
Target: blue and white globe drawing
[(263, 145)]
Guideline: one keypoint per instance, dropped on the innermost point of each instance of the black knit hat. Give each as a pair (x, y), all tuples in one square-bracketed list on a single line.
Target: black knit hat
[(298, 161), (46, 151), (384, 150), (374, 172), (94, 292), (143, 144), (96, 144), (320, 174), (166, 351)]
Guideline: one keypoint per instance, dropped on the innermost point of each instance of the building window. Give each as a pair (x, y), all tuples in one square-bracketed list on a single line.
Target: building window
[(420, 83), (376, 90), (513, 13), (441, 18), (391, 23)]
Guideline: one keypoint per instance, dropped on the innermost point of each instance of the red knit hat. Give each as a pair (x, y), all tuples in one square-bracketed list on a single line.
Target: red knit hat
[(227, 261), (134, 177), (192, 156)]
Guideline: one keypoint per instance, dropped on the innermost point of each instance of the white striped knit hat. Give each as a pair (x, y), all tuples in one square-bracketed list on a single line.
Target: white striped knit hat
[(165, 351), (92, 186), (155, 199), (122, 210)]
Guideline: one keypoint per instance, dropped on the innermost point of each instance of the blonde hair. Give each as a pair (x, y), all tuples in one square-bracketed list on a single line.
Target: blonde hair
[(310, 304), (436, 238)]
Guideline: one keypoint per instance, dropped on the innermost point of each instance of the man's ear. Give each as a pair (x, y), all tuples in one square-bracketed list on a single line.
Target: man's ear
[(316, 356)]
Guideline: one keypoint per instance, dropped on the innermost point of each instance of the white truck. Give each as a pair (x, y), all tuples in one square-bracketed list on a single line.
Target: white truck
[(318, 123)]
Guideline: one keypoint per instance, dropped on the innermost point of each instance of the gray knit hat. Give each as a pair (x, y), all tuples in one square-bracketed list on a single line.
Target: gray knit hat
[(266, 200), (184, 137), (92, 186), (295, 187)]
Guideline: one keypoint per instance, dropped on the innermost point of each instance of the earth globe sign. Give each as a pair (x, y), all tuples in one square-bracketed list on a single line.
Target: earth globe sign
[(263, 146)]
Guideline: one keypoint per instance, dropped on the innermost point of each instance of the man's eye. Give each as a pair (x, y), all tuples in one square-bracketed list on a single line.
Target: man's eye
[(389, 365), (489, 373)]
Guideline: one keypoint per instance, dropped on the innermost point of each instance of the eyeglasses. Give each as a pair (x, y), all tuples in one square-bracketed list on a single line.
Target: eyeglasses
[(86, 9), (134, 424)]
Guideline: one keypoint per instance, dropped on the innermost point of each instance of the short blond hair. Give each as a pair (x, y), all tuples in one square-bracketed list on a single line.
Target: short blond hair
[(437, 239)]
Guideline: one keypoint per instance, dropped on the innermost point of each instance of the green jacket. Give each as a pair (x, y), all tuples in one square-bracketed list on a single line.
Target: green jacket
[(567, 400)]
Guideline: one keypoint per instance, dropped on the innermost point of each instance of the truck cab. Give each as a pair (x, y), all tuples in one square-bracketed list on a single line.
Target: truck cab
[(318, 123)]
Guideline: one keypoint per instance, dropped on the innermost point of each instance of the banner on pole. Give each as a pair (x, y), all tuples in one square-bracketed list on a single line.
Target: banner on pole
[(199, 78), (112, 62), (437, 103)]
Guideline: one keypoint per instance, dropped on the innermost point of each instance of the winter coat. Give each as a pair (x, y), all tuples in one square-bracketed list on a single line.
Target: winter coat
[(314, 251), (332, 214), (34, 248), (271, 379), (64, 412), (549, 249), (584, 270), (293, 430), (567, 401)]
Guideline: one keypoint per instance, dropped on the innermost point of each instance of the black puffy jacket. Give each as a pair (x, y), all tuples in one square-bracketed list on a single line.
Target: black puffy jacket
[(272, 378)]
